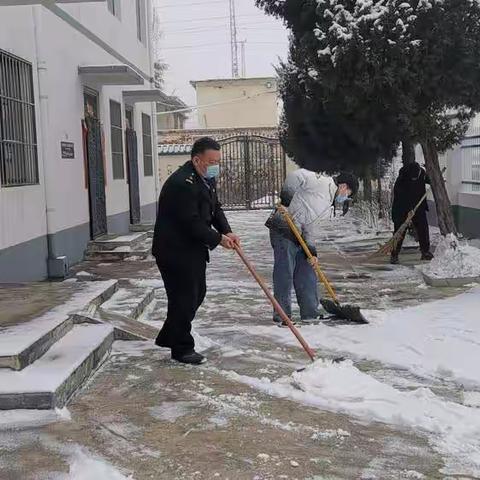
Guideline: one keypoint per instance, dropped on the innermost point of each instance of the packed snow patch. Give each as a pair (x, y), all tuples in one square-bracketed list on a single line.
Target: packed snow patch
[(453, 429), (24, 419), (454, 259), (84, 466)]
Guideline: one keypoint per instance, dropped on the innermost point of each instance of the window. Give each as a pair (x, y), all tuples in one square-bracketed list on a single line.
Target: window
[(18, 138), (116, 140), (141, 20), (147, 146), (114, 7)]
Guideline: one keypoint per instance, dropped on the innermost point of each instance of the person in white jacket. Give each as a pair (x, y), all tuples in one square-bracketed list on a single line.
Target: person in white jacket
[(309, 198)]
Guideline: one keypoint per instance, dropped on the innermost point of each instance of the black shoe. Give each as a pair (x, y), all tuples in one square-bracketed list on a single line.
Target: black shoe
[(427, 255), (192, 358), (394, 259)]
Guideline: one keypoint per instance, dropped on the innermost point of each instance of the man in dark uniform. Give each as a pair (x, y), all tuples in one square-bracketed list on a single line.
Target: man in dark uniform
[(190, 222), (408, 191)]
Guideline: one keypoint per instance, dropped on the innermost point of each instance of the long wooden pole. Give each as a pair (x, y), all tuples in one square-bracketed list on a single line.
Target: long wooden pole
[(276, 305)]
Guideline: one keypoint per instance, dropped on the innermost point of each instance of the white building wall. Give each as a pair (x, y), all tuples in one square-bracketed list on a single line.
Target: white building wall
[(61, 200), (22, 209)]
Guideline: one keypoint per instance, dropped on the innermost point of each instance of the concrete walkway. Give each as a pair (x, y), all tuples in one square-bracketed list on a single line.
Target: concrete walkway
[(147, 417)]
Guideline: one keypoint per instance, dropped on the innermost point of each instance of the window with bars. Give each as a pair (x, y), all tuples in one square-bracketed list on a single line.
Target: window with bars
[(147, 145), (18, 138), (114, 7), (116, 140)]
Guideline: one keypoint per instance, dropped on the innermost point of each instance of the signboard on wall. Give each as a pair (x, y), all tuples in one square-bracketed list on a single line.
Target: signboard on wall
[(68, 150)]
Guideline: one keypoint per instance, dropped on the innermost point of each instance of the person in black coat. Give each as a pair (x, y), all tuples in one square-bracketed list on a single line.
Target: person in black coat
[(408, 191), (190, 222)]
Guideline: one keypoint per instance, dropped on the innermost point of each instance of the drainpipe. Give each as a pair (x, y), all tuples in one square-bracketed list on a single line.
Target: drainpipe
[(42, 76), (154, 105)]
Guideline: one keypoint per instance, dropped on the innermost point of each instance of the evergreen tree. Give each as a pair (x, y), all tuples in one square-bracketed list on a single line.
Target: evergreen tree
[(385, 71)]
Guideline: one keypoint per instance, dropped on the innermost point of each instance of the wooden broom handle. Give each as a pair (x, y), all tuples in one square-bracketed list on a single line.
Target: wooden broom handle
[(276, 305)]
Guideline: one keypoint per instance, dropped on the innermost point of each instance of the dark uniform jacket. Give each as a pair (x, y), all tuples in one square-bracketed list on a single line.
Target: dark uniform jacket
[(188, 208), (408, 190)]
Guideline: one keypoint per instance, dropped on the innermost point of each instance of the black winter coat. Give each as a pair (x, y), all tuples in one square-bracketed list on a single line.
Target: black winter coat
[(187, 211), (408, 190)]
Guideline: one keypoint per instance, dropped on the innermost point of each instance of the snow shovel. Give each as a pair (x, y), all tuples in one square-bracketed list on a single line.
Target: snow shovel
[(344, 312), (276, 305)]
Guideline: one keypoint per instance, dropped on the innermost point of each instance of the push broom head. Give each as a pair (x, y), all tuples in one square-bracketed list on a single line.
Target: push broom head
[(351, 313)]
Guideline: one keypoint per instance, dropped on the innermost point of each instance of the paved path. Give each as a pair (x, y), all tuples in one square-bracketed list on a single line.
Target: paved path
[(155, 419)]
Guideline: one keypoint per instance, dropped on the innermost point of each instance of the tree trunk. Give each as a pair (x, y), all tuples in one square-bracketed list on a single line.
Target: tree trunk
[(408, 152), (380, 198), (367, 187), (446, 222)]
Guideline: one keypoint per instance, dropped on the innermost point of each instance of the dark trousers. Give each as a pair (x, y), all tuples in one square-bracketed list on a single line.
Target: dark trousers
[(185, 284), (420, 223)]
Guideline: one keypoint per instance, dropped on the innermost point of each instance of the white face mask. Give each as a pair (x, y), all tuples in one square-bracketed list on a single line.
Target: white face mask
[(341, 198)]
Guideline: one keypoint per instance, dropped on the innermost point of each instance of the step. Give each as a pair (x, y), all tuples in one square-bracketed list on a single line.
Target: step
[(113, 242), (143, 227), (52, 380), (116, 255), (129, 302), (22, 344)]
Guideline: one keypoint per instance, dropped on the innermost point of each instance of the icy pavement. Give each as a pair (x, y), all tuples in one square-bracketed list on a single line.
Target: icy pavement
[(395, 409)]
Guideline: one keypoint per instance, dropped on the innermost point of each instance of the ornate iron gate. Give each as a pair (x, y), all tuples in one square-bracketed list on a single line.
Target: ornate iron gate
[(252, 172), (96, 177), (133, 181)]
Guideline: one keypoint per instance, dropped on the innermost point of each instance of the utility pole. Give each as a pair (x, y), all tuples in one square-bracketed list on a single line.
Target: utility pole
[(242, 56), (233, 39)]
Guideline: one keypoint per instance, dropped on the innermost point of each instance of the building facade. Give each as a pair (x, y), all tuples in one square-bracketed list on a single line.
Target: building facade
[(462, 177), (77, 130), (237, 102)]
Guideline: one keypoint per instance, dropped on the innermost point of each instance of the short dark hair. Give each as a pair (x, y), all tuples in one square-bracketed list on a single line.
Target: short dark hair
[(350, 179), (203, 144)]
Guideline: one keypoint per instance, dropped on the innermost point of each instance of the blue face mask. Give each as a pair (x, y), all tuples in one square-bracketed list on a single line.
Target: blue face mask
[(341, 198), (213, 171)]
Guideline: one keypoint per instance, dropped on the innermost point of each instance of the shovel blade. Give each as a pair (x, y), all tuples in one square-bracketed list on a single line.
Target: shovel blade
[(351, 313)]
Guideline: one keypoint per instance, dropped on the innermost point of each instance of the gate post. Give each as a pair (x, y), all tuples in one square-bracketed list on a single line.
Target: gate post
[(248, 174)]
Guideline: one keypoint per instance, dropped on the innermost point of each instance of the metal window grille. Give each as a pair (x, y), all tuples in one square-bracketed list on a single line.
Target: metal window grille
[(18, 138), (471, 167), (147, 145), (116, 140)]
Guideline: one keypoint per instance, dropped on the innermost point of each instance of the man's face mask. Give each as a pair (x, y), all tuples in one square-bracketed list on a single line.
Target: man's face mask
[(341, 198), (213, 171)]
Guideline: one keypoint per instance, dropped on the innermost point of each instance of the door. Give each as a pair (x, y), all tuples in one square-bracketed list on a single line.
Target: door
[(132, 163), (95, 166), (253, 169)]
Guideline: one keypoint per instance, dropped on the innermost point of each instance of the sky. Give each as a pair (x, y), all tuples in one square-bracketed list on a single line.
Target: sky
[(195, 42)]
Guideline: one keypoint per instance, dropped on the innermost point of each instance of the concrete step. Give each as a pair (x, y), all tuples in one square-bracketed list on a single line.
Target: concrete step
[(143, 227), (22, 344), (52, 380), (129, 302), (113, 242), (116, 255)]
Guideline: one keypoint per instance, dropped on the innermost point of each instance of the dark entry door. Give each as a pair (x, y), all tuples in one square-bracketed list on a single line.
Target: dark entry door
[(132, 162), (95, 166), (252, 172)]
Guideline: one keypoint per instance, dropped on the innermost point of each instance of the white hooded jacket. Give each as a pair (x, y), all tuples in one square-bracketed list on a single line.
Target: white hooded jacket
[(309, 198)]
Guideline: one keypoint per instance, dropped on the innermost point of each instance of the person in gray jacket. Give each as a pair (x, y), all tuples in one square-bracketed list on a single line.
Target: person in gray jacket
[(309, 198)]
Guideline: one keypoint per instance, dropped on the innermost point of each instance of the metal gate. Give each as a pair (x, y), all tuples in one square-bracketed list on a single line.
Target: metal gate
[(252, 172), (96, 177), (133, 181)]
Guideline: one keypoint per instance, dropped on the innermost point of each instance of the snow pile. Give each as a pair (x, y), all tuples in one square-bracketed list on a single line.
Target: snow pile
[(454, 429), (425, 339), (454, 260)]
